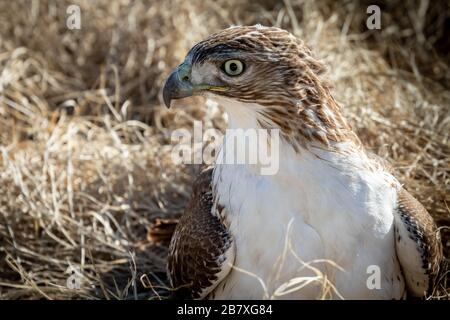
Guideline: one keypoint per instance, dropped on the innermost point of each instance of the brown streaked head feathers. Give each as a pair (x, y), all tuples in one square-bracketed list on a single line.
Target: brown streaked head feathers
[(280, 74)]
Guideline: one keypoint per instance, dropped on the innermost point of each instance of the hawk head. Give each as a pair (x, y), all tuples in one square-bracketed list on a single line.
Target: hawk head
[(265, 75)]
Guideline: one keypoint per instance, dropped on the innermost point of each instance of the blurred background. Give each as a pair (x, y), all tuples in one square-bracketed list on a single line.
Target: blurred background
[(85, 146)]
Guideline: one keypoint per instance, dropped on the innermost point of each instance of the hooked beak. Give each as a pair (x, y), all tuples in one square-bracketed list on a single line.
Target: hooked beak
[(179, 85)]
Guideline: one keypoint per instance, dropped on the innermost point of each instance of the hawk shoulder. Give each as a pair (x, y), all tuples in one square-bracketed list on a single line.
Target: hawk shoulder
[(201, 251), (418, 244)]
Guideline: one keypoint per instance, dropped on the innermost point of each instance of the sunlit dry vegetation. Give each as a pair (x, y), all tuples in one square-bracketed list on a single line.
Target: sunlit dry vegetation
[(85, 139)]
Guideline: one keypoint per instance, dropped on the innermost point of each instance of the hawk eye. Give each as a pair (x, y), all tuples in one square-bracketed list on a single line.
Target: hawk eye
[(233, 67)]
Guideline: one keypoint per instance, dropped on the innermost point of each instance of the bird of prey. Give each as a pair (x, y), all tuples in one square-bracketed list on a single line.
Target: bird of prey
[(332, 211)]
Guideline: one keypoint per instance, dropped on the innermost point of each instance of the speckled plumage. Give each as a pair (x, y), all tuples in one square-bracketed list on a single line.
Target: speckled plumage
[(417, 230), (199, 246), (286, 79)]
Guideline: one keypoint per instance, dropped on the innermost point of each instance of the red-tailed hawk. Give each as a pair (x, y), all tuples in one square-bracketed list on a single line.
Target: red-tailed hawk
[(245, 235)]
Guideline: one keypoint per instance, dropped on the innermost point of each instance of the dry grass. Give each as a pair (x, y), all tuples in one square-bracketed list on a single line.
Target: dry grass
[(84, 138)]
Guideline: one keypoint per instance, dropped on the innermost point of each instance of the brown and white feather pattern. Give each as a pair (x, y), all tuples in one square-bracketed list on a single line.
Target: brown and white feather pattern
[(201, 251), (288, 81), (418, 244), (341, 204)]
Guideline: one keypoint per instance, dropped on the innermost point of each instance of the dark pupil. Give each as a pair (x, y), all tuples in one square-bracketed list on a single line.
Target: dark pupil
[(233, 67)]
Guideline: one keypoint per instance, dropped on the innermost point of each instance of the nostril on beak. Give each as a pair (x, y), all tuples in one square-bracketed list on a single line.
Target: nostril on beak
[(185, 78)]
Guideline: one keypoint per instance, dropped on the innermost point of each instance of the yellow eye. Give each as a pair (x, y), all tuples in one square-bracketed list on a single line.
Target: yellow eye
[(233, 67)]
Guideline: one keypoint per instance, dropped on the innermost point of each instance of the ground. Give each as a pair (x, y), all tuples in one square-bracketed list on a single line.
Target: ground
[(85, 144)]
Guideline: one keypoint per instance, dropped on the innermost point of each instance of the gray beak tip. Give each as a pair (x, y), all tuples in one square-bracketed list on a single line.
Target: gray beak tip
[(167, 97), (169, 86), (174, 88)]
